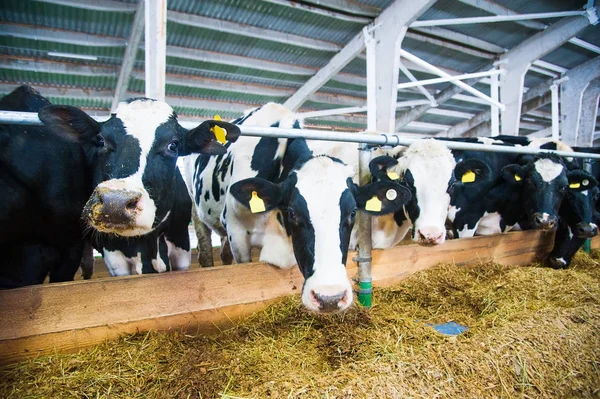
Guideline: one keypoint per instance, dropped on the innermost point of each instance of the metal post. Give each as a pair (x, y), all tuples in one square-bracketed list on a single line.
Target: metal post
[(156, 48), (587, 166), (589, 114), (495, 111), (555, 115)]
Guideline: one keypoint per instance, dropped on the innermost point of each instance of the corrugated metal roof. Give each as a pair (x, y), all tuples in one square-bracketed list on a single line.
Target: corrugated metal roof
[(234, 83)]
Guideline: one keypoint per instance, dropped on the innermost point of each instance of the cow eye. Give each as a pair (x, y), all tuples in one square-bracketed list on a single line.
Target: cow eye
[(291, 214), (99, 141), (353, 213), (172, 147)]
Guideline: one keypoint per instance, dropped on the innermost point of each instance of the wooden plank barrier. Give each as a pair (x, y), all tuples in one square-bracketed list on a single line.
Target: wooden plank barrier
[(64, 317)]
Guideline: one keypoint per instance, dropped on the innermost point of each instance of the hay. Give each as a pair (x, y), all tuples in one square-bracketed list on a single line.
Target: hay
[(533, 332)]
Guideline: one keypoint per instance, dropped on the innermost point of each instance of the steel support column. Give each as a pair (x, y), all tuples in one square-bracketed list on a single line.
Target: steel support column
[(571, 94), (156, 48), (518, 60), (137, 29), (589, 114)]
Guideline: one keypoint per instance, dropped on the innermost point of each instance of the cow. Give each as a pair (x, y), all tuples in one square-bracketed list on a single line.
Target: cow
[(318, 202), (307, 205), (117, 176), (500, 190)]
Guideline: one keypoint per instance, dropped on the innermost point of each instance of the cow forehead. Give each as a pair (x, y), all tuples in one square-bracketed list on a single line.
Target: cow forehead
[(548, 169), (142, 117), (321, 181)]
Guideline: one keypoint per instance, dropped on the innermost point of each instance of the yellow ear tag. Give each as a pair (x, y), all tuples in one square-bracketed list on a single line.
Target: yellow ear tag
[(219, 132), (393, 175), (257, 205), (574, 185), (468, 177), (373, 205), (517, 178)]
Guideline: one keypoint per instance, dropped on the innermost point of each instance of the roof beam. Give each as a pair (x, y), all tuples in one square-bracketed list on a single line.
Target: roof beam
[(394, 13), (321, 11), (496, 9), (59, 36), (350, 7), (251, 31), (48, 66), (135, 37), (460, 38), (94, 5)]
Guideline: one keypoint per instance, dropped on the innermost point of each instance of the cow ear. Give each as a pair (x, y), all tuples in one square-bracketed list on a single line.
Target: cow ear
[(379, 168), (513, 173), (382, 197), (580, 180), (69, 123), (209, 137), (258, 195), (472, 171)]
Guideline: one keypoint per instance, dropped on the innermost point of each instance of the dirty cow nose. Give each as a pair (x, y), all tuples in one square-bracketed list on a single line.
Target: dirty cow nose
[(431, 236), (586, 230), (113, 206), (544, 221), (556, 263), (330, 303)]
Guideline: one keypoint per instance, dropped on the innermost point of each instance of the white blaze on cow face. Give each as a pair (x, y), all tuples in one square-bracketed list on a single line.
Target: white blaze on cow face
[(548, 169), (431, 166), (140, 119), (321, 183)]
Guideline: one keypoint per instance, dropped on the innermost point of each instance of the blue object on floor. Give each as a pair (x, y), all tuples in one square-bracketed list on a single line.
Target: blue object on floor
[(450, 328)]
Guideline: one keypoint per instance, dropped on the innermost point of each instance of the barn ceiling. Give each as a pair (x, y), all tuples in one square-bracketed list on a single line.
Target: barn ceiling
[(225, 56)]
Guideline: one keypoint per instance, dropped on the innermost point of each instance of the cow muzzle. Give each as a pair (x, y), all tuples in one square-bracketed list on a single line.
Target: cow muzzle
[(544, 221), (586, 230), (108, 209), (556, 263), (431, 236)]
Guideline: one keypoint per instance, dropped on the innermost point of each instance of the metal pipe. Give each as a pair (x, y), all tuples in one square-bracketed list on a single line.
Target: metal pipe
[(381, 139), (451, 78), (555, 112), (350, 110), (494, 111), (458, 83), (495, 18), (423, 90)]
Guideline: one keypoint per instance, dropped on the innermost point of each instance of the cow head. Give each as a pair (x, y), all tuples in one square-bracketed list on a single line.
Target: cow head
[(319, 202), (425, 168), (578, 206), (134, 156), (543, 182)]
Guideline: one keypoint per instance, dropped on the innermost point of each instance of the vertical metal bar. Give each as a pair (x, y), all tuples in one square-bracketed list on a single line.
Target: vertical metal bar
[(495, 111), (156, 48), (587, 166), (365, 281), (555, 114)]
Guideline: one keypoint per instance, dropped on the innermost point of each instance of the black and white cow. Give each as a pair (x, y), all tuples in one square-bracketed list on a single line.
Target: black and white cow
[(499, 191), (139, 193), (50, 173), (318, 201), (309, 201)]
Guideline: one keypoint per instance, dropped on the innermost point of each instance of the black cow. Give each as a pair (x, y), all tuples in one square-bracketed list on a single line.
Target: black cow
[(50, 174)]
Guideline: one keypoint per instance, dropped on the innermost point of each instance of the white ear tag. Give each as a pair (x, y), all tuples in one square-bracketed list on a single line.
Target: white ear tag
[(391, 194)]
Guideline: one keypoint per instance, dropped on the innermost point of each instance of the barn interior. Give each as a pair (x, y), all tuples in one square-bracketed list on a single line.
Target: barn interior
[(461, 68)]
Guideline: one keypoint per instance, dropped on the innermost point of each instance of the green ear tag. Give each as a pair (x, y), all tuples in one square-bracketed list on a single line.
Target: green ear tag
[(373, 205), (257, 205), (468, 177)]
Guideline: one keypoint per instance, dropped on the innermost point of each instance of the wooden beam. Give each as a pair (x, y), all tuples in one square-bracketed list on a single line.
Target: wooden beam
[(70, 316)]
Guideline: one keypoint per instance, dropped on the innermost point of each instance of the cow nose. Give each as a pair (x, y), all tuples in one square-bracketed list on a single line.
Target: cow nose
[(586, 230), (330, 303), (430, 236), (114, 206), (557, 263), (543, 221)]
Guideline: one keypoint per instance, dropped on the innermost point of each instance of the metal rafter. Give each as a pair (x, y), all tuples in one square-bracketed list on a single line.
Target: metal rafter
[(589, 114), (135, 37)]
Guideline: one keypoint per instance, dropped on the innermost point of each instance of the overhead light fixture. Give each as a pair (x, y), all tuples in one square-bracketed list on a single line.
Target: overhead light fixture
[(70, 55)]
